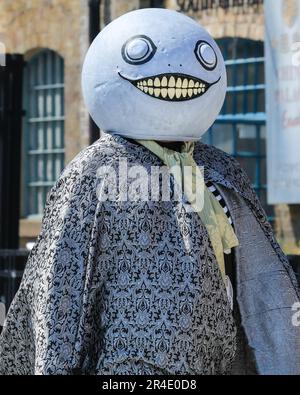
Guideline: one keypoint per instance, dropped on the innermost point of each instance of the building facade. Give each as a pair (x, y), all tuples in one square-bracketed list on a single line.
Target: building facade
[(53, 36)]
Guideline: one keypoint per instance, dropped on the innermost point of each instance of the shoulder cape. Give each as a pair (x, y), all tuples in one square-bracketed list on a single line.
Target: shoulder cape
[(267, 288), (46, 334)]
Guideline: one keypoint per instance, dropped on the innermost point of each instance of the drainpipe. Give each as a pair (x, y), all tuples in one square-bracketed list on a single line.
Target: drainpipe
[(94, 29)]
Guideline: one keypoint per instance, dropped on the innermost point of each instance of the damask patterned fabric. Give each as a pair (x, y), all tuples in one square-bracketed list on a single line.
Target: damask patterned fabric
[(112, 287), (265, 294)]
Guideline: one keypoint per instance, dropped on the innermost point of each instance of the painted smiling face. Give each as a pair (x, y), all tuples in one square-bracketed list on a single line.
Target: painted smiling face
[(154, 74)]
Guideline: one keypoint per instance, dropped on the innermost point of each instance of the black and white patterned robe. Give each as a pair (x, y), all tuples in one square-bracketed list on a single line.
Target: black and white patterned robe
[(134, 287)]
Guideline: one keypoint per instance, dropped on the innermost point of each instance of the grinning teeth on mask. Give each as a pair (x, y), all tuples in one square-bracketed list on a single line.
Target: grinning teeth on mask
[(171, 87)]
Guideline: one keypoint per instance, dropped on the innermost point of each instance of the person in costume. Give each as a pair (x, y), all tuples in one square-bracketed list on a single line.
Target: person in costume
[(143, 286)]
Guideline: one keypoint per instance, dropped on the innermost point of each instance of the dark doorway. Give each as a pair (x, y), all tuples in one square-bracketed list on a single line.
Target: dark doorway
[(11, 114), (12, 261)]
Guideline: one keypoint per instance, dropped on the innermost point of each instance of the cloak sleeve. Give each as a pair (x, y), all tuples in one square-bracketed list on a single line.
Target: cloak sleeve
[(266, 286), (43, 332), (266, 293)]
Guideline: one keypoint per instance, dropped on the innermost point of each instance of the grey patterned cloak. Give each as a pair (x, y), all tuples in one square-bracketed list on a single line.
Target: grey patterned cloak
[(134, 287)]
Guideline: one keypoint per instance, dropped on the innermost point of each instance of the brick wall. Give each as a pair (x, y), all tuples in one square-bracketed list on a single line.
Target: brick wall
[(60, 25), (235, 22), (249, 23)]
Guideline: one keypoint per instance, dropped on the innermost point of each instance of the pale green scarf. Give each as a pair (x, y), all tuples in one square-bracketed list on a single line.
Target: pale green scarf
[(189, 176)]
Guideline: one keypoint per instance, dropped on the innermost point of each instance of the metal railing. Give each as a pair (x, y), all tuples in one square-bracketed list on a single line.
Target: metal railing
[(12, 264)]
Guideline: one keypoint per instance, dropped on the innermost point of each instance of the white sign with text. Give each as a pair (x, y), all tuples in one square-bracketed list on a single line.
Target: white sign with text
[(282, 52)]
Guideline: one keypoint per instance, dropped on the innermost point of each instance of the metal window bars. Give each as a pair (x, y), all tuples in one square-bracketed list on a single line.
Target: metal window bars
[(43, 128), (240, 128)]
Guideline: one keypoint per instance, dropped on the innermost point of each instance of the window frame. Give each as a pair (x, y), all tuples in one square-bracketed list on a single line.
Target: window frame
[(53, 87), (257, 119)]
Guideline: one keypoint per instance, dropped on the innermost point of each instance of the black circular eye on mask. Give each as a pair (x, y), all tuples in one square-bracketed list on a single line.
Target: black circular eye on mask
[(206, 55), (138, 50)]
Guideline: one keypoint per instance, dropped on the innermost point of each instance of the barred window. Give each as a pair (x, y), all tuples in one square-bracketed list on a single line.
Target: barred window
[(240, 129), (43, 128)]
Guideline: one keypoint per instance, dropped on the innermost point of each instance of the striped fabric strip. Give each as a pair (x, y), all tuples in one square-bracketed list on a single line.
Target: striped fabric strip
[(228, 262), (219, 197)]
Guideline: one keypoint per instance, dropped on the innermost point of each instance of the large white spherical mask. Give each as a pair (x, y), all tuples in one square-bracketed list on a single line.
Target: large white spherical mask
[(154, 74)]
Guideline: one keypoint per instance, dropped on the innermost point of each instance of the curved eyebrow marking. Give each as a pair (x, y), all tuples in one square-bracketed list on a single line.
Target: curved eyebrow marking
[(199, 58), (153, 48)]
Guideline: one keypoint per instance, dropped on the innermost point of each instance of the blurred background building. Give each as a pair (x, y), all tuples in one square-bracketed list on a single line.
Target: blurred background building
[(53, 36)]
